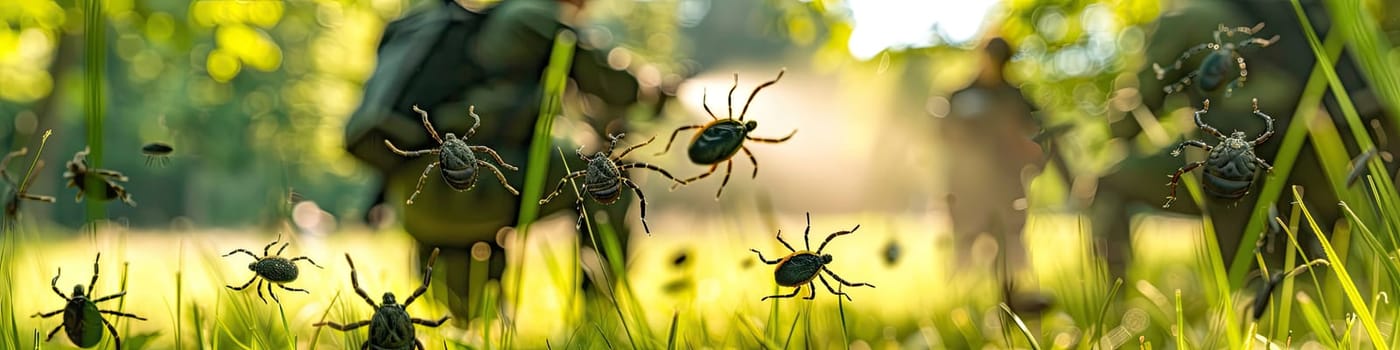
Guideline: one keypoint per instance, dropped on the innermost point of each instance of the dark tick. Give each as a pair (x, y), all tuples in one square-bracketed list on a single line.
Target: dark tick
[(78, 171), (18, 192), (458, 160), (82, 320), (273, 268), (803, 266), (157, 153), (1213, 71), (390, 328), (1231, 165), (603, 180), (719, 140)]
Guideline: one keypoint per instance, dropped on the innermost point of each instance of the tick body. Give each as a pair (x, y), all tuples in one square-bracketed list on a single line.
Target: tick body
[(1213, 73), (457, 159), (78, 171), (275, 269), (157, 153), (17, 193), (801, 267), (603, 179), (719, 140), (1231, 165), (82, 320), (391, 327)]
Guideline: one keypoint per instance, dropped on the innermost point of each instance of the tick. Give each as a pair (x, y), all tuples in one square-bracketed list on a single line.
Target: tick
[(802, 266), (457, 158), (157, 153), (82, 320), (391, 328), (18, 192), (1214, 69), (273, 268), (78, 171), (1231, 164), (719, 140), (605, 176)]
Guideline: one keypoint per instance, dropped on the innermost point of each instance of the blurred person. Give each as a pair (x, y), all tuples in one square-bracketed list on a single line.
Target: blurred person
[(987, 137), (1277, 75), (444, 58)]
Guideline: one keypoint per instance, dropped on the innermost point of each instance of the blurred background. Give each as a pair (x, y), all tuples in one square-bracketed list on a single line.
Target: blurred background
[(255, 95)]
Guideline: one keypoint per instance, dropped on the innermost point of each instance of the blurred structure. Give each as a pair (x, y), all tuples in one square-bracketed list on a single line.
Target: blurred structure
[(444, 58), (987, 139), (1277, 75)]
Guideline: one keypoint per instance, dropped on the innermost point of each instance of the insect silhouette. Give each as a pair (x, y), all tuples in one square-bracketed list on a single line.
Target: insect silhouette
[(18, 192), (82, 320), (391, 327), (1214, 69), (157, 153), (604, 178), (1261, 301), (457, 158), (78, 171), (803, 266), (273, 268), (719, 140), (1231, 165)]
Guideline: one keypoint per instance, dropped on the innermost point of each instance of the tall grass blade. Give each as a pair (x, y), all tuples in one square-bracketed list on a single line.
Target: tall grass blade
[(1317, 322), (317, 334), (675, 325), (1022, 326), (1357, 302), (94, 64), (1099, 329), (1180, 323)]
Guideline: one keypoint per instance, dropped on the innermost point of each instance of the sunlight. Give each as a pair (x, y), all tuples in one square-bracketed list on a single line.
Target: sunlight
[(883, 24)]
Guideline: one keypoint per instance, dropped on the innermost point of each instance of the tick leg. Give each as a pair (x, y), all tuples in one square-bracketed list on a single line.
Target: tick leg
[(271, 292), (429, 323), (834, 235), (355, 282), (343, 327), (807, 233), (427, 278), (476, 122), (47, 314), (779, 236), (652, 167), (751, 160), (429, 125), (267, 249), (1270, 168), (6, 163), (678, 132), (95, 268), (760, 87), (578, 206), (1201, 123), (260, 293), (728, 170), (731, 95), (634, 147), (499, 176), (404, 153), (494, 155), (760, 258), (813, 291), (1162, 72), (704, 95), (54, 284), (240, 250), (643, 199), (116, 339), (269, 288), (612, 142), (1268, 125), (421, 179), (1171, 197), (698, 177), (768, 140), (109, 297), (35, 197), (121, 314), (1180, 85), (1239, 81), (562, 182), (1256, 42), (313, 263), (1194, 143), (418, 344), (115, 175), (53, 332), (245, 285), (843, 281), (579, 152), (284, 248), (794, 293)]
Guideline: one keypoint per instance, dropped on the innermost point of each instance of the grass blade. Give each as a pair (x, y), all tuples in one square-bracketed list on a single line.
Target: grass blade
[(675, 323), (1180, 323), (1354, 296), (1022, 326)]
